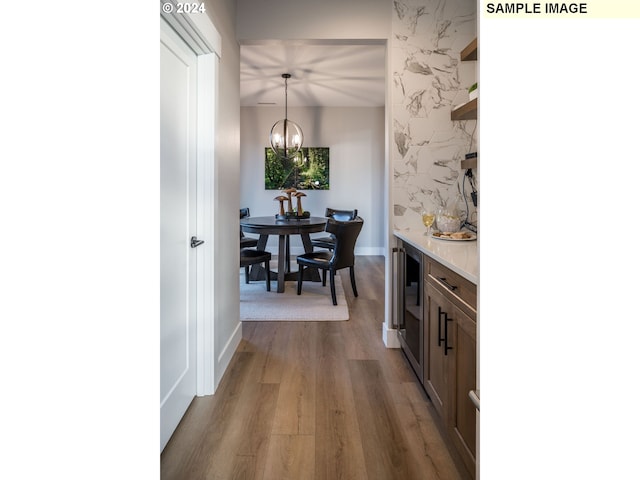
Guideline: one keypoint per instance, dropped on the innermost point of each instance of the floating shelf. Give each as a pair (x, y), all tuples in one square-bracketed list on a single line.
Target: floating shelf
[(470, 52), (469, 163), (468, 111)]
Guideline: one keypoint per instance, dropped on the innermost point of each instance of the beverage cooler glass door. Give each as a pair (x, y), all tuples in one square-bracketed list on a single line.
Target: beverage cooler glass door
[(410, 317)]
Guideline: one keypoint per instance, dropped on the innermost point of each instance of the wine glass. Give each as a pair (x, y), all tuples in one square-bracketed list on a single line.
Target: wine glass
[(428, 216)]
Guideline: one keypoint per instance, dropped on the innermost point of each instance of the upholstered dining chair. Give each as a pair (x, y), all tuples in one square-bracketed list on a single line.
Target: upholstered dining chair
[(246, 242), (329, 240), (249, 256), (342, 256)]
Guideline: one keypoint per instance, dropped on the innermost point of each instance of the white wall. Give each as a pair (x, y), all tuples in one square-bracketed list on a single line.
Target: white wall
[(227, 326), (355, 137)]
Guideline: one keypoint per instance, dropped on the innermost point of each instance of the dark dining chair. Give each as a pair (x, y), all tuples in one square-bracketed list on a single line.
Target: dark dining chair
[(246, 242), (342, 256), (329, 241), (249, 256)]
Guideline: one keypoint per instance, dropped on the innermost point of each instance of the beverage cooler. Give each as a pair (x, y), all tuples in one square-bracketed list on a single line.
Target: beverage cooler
[(408, 305)]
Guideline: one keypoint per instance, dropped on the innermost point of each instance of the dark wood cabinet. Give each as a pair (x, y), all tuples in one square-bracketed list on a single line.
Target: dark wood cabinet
[(438, 370), (464, 417), (450, 364), (439, 305)]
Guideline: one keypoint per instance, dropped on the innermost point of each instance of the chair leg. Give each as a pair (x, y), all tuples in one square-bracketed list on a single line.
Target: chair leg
[(300, 269), (324, 278), (352, 273), (246, 274), (332, 282), (268, 275)]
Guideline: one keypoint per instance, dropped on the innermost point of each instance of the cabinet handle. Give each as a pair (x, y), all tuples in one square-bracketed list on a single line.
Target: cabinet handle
[(447, 284), (446, 334), (440, 337), (474, 399)]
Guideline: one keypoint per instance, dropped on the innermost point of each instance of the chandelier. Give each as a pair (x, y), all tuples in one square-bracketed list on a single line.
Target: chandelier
[(286, 136)]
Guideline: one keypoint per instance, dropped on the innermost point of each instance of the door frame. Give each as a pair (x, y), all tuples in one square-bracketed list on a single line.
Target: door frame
[(199, 33)]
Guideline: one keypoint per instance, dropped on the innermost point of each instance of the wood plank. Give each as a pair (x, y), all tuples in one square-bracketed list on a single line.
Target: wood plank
[(202, 430), (360, 401), (295, 411), (424, 435), (362, 335), (383, 441), (291, 457), (269, 340), (247, 433), (339, 453)]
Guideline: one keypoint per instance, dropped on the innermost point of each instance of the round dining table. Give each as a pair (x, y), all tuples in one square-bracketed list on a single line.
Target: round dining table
[(265, 226)]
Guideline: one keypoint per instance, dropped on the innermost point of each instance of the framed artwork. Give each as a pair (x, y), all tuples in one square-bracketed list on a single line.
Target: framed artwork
[(308, 170)]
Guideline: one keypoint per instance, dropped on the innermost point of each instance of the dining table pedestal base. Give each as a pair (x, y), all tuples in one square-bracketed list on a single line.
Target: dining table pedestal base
[(265, 226)]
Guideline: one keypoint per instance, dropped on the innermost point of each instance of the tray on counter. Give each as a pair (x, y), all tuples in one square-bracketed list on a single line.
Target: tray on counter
[(468, 236)]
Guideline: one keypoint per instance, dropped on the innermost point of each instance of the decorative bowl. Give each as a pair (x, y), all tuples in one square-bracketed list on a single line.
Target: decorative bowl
[(448, 223)]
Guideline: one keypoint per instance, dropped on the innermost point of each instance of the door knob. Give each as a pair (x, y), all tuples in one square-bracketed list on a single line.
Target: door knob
[(195, 242)]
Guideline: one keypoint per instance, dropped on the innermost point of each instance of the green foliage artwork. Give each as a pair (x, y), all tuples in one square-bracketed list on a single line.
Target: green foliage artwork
[(308, 170)]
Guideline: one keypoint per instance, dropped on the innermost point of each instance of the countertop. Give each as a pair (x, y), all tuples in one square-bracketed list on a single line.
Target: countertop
[(461, 257)]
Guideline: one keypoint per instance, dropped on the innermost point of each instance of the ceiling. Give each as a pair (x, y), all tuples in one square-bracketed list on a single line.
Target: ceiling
[(334, 75)]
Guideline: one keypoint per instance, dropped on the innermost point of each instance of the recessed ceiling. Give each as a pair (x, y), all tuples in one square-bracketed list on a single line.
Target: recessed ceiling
[(321, 75)]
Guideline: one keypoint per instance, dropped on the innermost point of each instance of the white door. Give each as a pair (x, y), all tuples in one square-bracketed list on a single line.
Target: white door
[(178, 122)]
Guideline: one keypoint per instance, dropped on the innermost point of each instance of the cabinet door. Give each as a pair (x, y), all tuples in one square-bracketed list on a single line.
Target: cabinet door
[(450, 371), (463, 426), (437, 370)]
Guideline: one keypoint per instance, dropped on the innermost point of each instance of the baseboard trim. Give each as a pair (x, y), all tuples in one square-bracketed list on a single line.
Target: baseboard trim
[(227, 353), (390, 337)]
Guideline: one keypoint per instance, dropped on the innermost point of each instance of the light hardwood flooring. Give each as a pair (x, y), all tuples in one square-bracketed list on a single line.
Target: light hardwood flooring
[(315, 400)]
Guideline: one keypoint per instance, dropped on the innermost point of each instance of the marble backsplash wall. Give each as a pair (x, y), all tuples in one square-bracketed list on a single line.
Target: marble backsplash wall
[(428, 81)]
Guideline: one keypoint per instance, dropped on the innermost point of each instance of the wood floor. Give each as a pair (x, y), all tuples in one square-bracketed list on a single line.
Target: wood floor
[(315, 400)]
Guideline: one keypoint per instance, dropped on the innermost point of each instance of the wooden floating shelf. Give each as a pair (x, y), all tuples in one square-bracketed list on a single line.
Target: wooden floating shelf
[(470, 52), (468, 111), (469, 163)]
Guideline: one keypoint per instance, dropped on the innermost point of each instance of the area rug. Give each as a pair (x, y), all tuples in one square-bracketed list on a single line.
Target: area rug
[(313, 305)]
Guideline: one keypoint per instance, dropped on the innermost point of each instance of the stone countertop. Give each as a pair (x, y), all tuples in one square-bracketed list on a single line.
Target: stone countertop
[(461, 257)]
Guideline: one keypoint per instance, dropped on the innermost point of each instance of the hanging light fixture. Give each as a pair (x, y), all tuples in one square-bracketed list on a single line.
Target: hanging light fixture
[(286, 136)]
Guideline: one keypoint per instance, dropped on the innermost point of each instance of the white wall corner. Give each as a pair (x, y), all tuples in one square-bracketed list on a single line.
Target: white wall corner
[(390, 336)]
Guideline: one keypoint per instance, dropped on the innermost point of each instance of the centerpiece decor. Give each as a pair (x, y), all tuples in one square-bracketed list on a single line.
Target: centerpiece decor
[(291, 213)]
